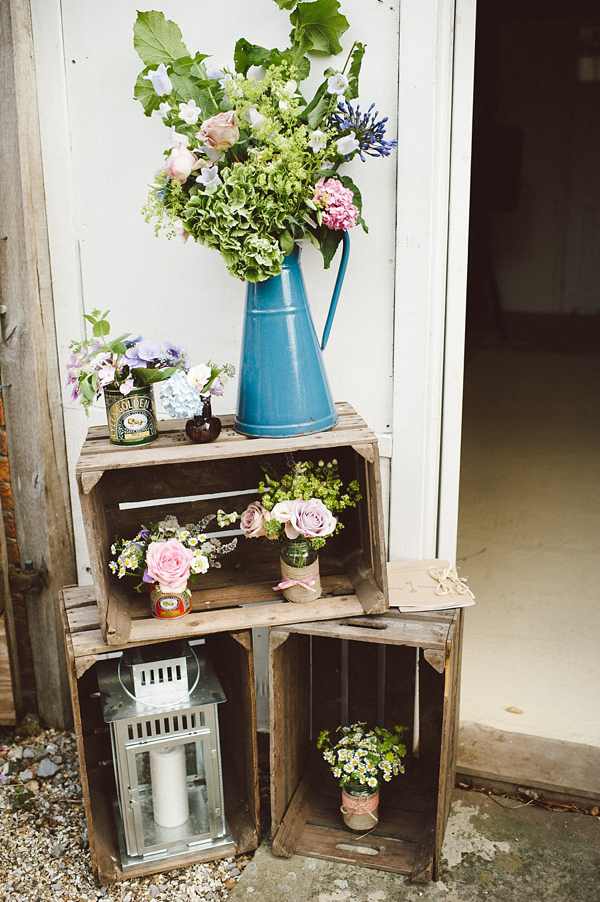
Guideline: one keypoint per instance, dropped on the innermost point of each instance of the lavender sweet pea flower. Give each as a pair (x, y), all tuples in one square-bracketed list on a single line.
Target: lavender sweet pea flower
[(217, 388), (146, 578)]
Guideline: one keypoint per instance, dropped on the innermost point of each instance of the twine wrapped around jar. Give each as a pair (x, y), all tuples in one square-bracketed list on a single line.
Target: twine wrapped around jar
[(360, 809), (300, 584)]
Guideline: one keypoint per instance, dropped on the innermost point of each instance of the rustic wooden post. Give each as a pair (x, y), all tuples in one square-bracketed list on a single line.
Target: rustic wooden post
[(28, 362)]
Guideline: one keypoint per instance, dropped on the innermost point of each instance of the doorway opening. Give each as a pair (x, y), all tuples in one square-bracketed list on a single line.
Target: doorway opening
[(529, 512)]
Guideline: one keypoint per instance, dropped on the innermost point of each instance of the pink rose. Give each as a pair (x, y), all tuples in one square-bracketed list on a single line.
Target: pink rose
[(310, 519), (220, 131), (180, 163), (168, 564), (253, 520)]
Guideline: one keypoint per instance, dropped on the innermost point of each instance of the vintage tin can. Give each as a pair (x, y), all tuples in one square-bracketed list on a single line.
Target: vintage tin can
[(132, 417), (167, 605)]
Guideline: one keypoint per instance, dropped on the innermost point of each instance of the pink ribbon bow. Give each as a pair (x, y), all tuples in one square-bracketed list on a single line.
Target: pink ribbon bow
[(286, 583)]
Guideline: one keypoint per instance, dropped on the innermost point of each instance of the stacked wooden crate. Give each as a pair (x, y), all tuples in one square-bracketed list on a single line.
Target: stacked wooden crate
[(391, 669), (122, 490), (329, 663)]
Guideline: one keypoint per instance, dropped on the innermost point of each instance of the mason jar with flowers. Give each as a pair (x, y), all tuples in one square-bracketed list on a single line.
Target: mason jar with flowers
[(299, 511), (123, 371), (360, 759), (166, 558)]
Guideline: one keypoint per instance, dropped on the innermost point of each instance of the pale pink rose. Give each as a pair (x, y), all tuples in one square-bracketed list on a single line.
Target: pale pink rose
[(310, 519), (180, 163), (168, 564), (220, 131), (253, 520), (282, 510)]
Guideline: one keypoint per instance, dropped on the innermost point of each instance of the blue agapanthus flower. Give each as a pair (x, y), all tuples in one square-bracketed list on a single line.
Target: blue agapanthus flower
[(367, 129)]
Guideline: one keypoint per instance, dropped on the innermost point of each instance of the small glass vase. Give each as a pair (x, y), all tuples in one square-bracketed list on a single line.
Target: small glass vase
[(300, 581), (168, 605), (131, 418), (360, 805), (203, 427)]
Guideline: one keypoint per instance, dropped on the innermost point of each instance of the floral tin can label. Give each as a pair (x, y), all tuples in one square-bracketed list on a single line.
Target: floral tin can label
[(167, 605), (132, 417)]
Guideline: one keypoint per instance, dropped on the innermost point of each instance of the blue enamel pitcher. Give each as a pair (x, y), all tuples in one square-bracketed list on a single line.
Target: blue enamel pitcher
[(283, 389)]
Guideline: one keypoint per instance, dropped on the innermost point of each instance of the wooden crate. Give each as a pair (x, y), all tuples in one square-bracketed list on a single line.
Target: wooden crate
[(365, 669), (121, 489), (231, 655)]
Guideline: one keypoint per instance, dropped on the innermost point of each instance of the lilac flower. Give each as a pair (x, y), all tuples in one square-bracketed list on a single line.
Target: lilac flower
[(217, 388), (175, 355), (127, 386), (143, 354)]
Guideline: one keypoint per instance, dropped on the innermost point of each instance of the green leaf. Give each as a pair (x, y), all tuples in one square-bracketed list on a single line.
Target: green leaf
[(358, 51), (329, 244), (286, 4), (188, 89), (287, 243), (356, 199), (247, 55), (148, 375), (147, 96), (322, 23), (156, 39)]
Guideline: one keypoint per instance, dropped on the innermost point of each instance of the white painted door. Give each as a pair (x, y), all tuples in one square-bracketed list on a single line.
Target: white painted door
[(396, 347)]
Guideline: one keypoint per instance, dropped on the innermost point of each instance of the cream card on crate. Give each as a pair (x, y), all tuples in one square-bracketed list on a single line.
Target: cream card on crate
[(429, 585)]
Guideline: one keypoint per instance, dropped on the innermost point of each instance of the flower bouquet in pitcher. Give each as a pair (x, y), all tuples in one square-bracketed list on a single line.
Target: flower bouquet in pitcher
[(253, 168)]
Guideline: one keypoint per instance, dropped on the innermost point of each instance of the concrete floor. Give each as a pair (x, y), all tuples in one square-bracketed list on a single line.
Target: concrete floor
[(495, 849), (528, 542)]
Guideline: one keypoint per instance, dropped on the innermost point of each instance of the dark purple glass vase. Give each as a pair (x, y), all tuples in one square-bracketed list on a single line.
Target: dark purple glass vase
[(204, 427)]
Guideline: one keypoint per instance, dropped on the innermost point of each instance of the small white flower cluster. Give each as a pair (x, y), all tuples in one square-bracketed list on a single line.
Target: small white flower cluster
[(362, 758)]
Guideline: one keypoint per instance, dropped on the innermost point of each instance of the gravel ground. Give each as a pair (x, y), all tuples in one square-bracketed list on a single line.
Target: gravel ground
[(44, 850)]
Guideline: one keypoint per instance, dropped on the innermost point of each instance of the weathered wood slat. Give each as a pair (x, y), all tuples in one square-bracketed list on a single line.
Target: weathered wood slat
[(145, 631), (384, 854), (8, 715), (383, 629)]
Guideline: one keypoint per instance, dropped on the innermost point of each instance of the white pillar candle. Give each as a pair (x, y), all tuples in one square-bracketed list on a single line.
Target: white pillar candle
[(169, 786)]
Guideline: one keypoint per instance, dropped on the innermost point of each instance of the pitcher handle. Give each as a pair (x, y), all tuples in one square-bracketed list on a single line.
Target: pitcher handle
[(337, 289)]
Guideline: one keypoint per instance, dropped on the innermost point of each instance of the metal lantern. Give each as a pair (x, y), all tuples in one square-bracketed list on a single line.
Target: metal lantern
[(161, 704)]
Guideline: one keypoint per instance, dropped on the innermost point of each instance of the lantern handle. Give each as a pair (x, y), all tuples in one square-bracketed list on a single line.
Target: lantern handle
[(177, 701)]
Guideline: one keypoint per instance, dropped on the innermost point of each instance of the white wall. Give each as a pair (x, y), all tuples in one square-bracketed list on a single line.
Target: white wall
[(100, 153)]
